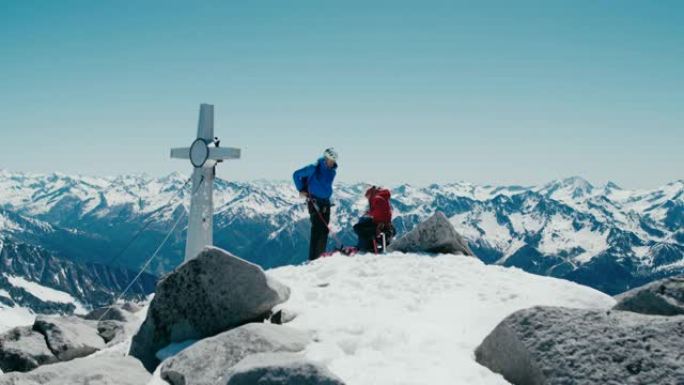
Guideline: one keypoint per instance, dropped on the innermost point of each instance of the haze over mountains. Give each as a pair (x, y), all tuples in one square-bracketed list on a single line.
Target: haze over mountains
[(603, 236)]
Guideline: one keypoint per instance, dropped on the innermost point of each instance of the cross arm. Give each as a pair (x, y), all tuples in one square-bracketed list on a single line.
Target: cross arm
[(180, 153), (220, 153)]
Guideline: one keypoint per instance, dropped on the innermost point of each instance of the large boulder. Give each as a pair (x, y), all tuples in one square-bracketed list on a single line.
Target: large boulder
[(551, 345), (212, 293), (663, 297), (434, 235), (23, 349), (207, 362), (97, 370), (69, 337), (280, 369)]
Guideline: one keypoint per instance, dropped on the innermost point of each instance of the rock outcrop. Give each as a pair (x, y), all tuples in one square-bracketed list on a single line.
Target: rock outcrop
[(115, 323), (434, 235), (112, 331), (212, 293), (280, 369), (207, 362), (23, 349), (551, 345), (97, 370), (663, 297), (52, 339), (69, 337)]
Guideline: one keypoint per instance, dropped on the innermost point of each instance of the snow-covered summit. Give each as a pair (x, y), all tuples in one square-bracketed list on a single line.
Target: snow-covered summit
[(411, 319), (569, 188)]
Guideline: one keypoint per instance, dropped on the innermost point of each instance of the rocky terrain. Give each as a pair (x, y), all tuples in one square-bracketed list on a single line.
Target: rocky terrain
[(218, 319), (53, 339), (639, 341)]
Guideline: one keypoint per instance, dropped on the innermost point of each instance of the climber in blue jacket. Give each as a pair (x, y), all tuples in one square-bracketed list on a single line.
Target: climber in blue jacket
[(315, 183)]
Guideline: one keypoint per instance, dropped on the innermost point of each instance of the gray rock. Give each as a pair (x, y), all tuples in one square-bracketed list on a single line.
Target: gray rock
[(111, 331), (22, 349), (115, 323), (69, 337), (280, 369), (208, 361), (131, 307), (663, 297), (110, 313), (212, 293), (99, 370), (551, 345), (434, 235)]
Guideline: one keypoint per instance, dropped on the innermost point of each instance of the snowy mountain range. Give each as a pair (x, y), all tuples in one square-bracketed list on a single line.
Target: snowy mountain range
[(605, 237), (34, 278)]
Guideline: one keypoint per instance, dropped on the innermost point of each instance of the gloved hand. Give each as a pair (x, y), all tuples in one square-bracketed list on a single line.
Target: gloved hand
[(303, 194)]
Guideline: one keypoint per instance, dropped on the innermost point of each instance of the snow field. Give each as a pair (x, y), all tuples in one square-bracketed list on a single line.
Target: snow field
[(409, 319), (46, 293)]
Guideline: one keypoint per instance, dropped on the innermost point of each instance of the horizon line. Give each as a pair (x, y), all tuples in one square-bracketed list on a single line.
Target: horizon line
[(283, 180)]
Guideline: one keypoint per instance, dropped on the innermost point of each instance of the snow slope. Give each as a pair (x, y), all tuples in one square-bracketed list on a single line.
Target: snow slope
[(404, 319), (46, 293), (15, 316)]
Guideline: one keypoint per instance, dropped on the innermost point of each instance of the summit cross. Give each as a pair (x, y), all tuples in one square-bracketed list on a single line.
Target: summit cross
[(204, 154)]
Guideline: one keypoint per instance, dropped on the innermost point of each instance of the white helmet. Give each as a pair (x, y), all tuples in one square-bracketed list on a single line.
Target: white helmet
[(331, 154)]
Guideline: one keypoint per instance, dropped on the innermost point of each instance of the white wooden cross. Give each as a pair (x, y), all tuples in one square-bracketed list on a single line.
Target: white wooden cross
[(204, 154)]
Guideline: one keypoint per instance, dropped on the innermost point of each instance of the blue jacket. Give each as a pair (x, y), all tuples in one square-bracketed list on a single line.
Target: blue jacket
[(316, 178)]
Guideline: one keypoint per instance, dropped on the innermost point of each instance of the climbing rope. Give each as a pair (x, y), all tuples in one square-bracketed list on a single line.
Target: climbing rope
[(154, 255), (144, 267), (145, 226)]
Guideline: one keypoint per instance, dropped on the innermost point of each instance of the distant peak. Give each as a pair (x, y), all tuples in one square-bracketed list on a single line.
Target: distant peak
[(572, 182), (571, 187), (173, 175), (577, 181)]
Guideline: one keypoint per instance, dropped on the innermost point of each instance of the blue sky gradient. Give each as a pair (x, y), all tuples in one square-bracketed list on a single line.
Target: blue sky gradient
[(407, 91)]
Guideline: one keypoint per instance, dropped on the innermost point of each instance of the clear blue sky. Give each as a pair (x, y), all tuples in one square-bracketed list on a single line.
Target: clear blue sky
[(407, 91)]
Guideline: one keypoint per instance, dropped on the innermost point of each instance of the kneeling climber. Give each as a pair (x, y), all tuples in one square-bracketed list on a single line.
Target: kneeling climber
[(375, 228)]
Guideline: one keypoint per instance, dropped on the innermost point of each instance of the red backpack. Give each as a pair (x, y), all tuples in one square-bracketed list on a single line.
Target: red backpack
[(380, 206)]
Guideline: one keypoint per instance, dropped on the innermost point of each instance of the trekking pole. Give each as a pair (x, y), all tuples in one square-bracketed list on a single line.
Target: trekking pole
[(384, 243)]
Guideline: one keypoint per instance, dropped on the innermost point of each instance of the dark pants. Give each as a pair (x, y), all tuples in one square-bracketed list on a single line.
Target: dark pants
[(320, 217), (366, 231)]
